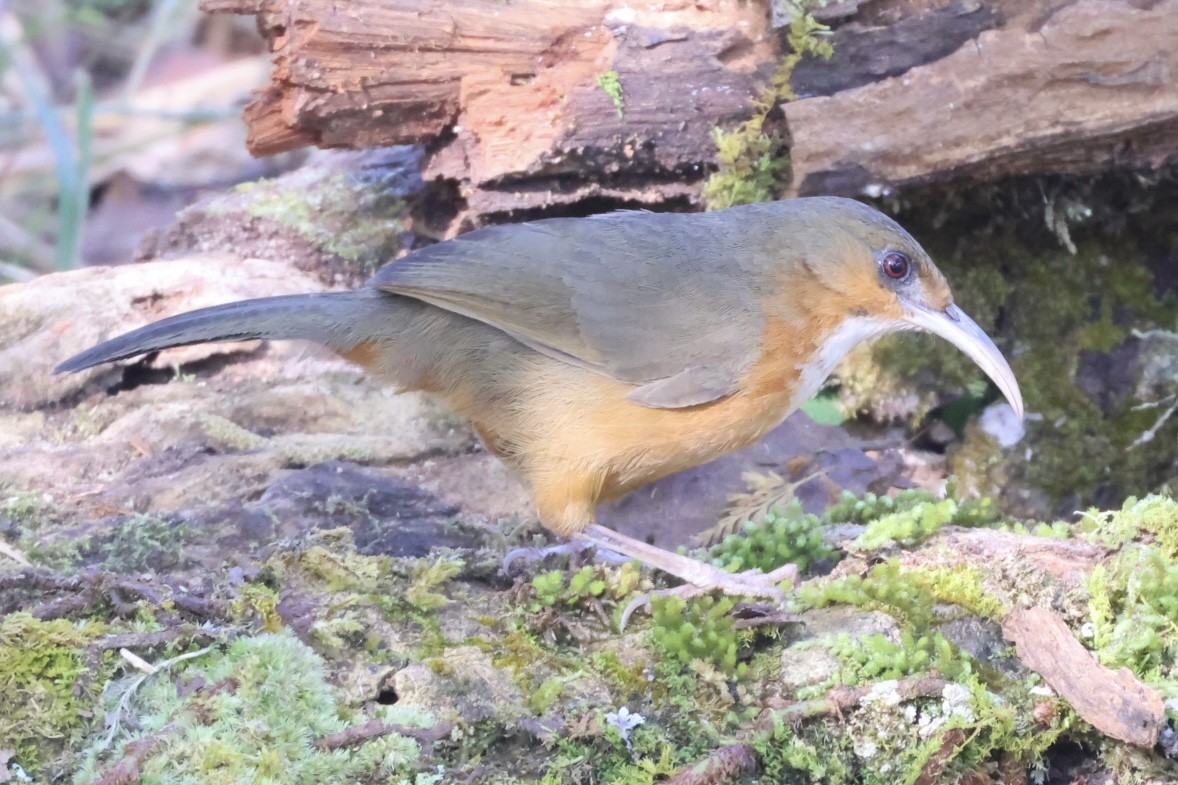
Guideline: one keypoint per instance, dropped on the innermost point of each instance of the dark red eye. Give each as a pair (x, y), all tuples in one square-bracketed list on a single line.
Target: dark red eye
[(896, 265)]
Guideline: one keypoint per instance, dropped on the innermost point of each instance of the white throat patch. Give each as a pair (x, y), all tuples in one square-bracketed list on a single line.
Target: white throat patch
[(850, 334)]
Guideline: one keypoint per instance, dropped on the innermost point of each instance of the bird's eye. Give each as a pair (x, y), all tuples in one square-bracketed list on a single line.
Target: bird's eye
[(896, 265)]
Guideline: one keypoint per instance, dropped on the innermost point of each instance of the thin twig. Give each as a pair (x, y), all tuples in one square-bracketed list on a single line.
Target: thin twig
[(1157, 426), (375, 728)]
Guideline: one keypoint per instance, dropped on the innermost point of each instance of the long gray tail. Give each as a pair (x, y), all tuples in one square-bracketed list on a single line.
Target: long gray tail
[(333, 319)]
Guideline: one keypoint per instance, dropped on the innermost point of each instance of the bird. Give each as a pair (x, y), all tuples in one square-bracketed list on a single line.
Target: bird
[(595, 355)]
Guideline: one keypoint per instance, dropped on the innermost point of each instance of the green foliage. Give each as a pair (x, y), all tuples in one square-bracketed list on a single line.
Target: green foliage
[(265, 701), (47, 688), (783, 535), (751, 168), (611, 83), (915, 525), (257, 604), (825, 409), (556, 587), (644, 759), (698, 629), (752, 163), (1057, 530), (1133, 597)]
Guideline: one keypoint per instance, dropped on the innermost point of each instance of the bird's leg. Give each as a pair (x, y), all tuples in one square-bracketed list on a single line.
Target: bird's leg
[(700, 576)]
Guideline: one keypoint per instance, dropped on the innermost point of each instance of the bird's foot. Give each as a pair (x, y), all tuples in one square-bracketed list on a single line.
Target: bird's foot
[(706, 578), (570, 549)]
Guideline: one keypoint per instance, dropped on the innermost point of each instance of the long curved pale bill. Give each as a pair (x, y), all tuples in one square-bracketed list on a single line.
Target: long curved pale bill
[(957, 328)]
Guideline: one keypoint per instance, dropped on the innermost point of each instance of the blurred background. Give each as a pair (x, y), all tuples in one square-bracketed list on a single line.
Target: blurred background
[(115, 114)]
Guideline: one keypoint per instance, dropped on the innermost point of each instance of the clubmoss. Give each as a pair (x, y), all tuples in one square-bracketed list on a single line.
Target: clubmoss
[(783, 535), (886, 587), (877, 657), (916, 524), (699, 629), (596, 591), (47, 702)]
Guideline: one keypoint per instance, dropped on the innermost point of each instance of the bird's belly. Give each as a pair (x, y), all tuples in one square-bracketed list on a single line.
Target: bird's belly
[(599, 433), (680, 439)]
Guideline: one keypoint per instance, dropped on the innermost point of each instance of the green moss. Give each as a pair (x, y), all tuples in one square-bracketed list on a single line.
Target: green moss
[(909, 595), (264, 702), (329, 209), (24, 507), (607, 758), (625, 680), (231, 434), (611, 83), (1050, 310), (593, 586), (147, 543), (753, 163), (783, 535), (1151, 519), (876, 657), (919, 522), (256, 604), (1134, 612), (47, 687), (429, 575), (886, 587), (799, 756), (961, 586)]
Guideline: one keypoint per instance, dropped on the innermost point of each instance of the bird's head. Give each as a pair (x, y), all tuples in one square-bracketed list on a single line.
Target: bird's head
[(867, 276)]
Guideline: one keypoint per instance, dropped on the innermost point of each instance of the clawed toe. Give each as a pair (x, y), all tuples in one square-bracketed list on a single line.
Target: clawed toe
[(750, 583)]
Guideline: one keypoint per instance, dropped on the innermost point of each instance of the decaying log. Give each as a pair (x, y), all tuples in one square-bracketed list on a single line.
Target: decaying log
[(508, 96), (509, 93), (1082, 87)]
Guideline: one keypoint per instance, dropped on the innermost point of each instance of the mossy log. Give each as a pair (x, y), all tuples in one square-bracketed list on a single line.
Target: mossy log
[(533, 103)]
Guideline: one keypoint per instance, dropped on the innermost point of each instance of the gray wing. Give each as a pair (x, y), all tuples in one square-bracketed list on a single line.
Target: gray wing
[(652, 299)]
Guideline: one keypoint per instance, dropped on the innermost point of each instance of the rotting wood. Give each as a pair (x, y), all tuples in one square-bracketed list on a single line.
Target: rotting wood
[(1084, 88), (1116, 703), (507, 95)]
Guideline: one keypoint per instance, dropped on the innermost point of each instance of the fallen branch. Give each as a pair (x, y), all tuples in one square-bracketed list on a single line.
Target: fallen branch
[(1116, 703), (375, 728)]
